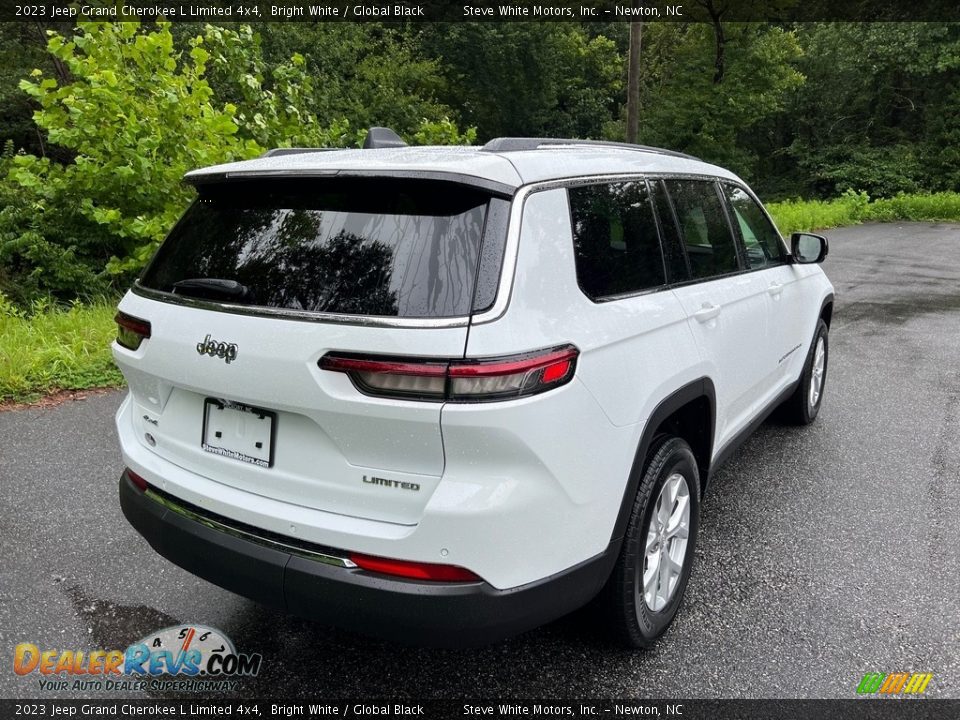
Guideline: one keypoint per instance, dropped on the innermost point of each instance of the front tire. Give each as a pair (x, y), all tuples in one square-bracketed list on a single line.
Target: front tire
[(803, 406), (646, 587)]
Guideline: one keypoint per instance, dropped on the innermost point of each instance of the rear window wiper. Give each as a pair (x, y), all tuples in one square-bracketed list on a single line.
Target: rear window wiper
[(214, 289)]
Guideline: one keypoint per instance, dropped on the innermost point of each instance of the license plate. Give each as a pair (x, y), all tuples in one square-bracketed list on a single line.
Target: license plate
[(238, 431)]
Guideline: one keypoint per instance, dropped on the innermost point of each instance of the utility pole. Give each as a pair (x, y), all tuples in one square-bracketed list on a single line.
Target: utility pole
[(633, 81)]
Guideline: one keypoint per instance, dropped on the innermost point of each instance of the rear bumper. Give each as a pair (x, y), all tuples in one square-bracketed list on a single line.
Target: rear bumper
[(425, 613)]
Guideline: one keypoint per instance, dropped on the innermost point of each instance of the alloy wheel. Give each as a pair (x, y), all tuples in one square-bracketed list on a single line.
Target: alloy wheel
[(666, 544)]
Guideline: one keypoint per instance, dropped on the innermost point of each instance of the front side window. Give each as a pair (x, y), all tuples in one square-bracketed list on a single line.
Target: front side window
[(615, 240), (402, 248), (760, 238), (703, 225)]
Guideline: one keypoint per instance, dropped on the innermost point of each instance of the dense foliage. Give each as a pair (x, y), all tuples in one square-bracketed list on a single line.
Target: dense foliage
[(98, 123), (131, 110)]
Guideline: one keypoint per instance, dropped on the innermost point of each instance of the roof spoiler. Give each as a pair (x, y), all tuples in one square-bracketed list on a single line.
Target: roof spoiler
[(280, 152), (377, 137)]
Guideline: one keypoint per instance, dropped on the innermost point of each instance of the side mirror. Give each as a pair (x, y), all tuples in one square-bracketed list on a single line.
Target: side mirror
[(808, 248)]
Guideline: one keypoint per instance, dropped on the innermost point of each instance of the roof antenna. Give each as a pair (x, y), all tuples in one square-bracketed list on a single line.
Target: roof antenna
[(381, 137)]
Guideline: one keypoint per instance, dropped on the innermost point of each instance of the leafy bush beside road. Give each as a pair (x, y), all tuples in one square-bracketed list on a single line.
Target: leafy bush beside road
[(48, 348), (853, 208)]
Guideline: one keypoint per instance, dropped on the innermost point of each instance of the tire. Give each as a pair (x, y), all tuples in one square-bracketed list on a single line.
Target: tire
[(802, 407), (625, 605)]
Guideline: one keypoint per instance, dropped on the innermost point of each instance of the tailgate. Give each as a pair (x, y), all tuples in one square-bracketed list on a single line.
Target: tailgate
[(259, 280), (327, 437)]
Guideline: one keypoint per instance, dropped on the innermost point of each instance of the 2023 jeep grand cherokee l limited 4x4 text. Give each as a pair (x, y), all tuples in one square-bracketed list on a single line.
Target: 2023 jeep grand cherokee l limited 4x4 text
[(446, 395)]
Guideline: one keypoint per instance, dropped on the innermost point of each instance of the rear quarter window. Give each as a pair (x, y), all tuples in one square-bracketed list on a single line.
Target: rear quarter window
[(402, 248), (615, 240)]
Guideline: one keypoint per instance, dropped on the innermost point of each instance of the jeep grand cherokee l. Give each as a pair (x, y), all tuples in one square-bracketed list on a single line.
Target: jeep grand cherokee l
[(448, 394)]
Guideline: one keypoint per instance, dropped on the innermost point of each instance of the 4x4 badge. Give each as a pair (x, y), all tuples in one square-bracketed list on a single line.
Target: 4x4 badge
[(227, 351)]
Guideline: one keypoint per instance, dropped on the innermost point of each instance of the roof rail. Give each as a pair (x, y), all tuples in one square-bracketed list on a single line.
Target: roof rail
[(513, 144), (278, 152)]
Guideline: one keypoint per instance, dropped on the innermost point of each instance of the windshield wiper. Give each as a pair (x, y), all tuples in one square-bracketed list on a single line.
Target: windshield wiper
[(214, 289)]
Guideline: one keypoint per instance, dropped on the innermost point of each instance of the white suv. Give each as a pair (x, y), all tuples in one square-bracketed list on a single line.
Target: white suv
[(447, 394)]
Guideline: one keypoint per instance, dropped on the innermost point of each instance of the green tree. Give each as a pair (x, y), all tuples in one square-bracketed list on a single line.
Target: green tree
[(136, 115), (534, 79), (132, 114), (879, 109), (688, 104), (22, 48), (364, 73)]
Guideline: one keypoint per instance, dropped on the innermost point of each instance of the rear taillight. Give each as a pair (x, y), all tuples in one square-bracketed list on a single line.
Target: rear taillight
[(138, 482), (479, 380), (131, 331), (415, 570)]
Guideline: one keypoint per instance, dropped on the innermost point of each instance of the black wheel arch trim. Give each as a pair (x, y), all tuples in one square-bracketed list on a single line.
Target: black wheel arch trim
[(827, 300), (692, 391)]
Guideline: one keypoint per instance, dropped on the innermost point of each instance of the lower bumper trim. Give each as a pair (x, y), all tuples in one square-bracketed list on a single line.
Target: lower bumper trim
[(313, 582), (245, 532)]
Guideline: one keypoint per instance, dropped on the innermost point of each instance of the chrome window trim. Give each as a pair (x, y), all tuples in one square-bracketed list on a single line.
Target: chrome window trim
[(508, 269), (509, 265), (298, 315), (514, 227)]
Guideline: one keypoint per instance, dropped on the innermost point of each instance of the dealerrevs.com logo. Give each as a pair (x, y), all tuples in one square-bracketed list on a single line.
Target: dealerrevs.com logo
[(894, 683), (180, 657)]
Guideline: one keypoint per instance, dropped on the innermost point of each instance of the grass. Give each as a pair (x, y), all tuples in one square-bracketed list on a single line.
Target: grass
[(854, 208), (50, 348)]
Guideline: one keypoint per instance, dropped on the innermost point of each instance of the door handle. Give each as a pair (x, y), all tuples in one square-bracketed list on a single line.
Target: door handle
[(707, 312), (775, 288)]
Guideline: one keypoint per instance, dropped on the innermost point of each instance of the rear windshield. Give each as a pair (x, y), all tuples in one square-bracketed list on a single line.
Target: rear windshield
[(403, 248)]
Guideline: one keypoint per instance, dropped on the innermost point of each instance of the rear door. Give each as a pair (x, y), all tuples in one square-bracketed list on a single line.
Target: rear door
[(764, 253), (256, 283), (725, 308)]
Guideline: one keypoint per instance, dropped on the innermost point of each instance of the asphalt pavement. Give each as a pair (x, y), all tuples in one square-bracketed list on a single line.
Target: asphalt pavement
[(825, 552)]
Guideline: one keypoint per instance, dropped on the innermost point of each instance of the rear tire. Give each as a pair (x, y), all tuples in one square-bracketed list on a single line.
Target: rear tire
[(646, 587), (802, 407)]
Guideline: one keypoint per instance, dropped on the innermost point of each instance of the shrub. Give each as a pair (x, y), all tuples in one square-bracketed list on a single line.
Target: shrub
[(136, 115), (852, 208), (53, 347)]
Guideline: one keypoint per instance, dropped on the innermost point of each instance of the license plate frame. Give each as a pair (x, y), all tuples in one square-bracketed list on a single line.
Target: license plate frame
[(213, 418)]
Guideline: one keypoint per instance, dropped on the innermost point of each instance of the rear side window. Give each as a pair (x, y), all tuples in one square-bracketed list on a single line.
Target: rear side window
[(403, 248), (616, 246), (675, 258), (706, 234), (761, 241)]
